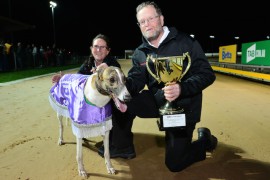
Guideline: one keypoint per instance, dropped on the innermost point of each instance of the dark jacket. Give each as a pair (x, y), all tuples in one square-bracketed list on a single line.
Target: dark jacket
[(88, 64), (199, 76)]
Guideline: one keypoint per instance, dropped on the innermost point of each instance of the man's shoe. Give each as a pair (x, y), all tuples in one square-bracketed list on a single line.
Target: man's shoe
[(211, 141), (126, 153)]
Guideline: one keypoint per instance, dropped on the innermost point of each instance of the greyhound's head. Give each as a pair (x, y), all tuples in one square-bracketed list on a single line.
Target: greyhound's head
[(111, 81)]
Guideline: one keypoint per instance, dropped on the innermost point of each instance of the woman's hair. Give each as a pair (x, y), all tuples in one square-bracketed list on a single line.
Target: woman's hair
[(105, 38), (90, 61)]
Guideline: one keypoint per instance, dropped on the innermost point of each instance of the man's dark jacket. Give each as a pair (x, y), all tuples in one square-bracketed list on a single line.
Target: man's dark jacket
[(199, 76)]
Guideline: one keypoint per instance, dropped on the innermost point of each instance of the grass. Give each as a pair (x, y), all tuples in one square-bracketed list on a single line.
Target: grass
[(16, 75)]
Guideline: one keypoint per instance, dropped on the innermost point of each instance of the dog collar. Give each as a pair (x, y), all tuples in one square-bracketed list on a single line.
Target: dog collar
[(87, 101)]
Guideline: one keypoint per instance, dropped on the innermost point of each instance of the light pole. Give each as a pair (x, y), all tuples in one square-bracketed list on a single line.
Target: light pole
[(53, 5), (237, 43), (212, 37)]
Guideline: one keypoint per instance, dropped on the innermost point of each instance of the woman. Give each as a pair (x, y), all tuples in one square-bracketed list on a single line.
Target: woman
[(99, 56), (100, 50)]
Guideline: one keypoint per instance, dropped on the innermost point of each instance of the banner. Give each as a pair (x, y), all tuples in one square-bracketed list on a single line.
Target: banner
[(256, 53), (227, 54)]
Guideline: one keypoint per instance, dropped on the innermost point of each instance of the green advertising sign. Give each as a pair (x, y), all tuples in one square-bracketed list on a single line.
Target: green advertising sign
[(256, 53)]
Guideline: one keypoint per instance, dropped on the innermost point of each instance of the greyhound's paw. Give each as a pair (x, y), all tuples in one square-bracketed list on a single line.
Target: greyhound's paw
[(60, 142), (83, 173), (111, 170)]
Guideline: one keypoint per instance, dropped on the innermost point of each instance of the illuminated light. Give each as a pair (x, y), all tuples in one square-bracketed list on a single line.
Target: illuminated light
[(52, 4)]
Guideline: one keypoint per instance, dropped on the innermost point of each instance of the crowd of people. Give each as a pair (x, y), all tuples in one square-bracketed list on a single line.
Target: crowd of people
[(19, 56)]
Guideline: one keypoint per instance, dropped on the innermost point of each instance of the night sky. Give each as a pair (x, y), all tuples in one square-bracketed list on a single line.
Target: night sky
[(78, 21)]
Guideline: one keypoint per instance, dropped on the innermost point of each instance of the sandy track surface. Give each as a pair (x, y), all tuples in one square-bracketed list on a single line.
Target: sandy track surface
[(236, 111)]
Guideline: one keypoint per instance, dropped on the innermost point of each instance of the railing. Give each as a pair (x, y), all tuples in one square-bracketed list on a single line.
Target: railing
[(253, 68)]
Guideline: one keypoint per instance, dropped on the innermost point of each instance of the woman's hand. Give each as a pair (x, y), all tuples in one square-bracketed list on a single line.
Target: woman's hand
[(57, 77), (172, 91), (101, 66)]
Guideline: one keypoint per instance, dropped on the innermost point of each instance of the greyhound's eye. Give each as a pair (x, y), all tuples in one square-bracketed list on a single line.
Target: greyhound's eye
[(112, 80)]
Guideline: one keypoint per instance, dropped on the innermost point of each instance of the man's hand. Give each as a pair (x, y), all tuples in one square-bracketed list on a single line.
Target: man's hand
[(57, 77), (172, 91)]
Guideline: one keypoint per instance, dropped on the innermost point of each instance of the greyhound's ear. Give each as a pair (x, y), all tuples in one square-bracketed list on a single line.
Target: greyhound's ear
[(100, 72)]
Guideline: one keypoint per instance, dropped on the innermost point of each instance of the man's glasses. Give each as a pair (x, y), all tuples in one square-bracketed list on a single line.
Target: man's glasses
[(99, 47), (149, 20)]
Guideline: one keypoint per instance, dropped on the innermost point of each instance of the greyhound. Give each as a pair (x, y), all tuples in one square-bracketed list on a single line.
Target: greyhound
[(85, 100)]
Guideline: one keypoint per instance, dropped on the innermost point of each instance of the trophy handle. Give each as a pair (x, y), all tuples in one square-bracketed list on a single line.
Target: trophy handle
[(149, 70), (188, 66)]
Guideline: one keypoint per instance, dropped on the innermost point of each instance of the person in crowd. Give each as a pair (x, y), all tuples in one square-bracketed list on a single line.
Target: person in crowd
[(35, 55), (48, 56), (8, 63), (29, 57), (162, 41), (41, 56), (53, 55), (99, 56), (2, 49), (19, 56)]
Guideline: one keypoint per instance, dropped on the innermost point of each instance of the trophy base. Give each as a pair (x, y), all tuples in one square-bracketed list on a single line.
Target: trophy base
[(169, 122), (171, 117)]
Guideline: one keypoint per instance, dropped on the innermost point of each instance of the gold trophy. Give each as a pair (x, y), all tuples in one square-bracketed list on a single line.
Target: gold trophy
[(169, 70)]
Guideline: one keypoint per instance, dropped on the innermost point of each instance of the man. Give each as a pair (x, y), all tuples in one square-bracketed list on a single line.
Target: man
[(161, 41)]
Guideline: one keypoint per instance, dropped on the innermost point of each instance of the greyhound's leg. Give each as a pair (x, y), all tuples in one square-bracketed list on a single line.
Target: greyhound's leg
[(79, 158), (67, 120), (107, 157), (60, 120)]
